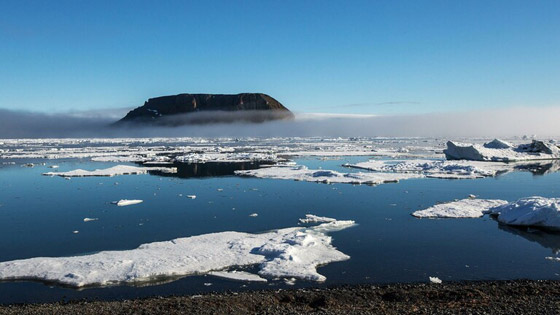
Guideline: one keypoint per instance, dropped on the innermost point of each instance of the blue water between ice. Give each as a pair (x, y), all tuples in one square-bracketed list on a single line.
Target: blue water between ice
[(38, 215)]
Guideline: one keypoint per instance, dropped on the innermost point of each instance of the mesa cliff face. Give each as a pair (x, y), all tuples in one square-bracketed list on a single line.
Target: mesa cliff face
[(168, 110)]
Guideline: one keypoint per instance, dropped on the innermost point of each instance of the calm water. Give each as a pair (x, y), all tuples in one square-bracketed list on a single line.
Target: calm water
[(39, 213)]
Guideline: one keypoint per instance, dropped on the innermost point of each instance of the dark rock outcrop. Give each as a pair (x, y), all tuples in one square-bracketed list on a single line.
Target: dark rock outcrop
[(207, 108)]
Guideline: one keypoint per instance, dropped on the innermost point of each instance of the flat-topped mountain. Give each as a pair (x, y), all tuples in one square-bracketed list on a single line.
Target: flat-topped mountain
[(173, 109)]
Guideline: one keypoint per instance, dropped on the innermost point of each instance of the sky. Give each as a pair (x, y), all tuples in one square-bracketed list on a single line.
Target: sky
[(356, 57)]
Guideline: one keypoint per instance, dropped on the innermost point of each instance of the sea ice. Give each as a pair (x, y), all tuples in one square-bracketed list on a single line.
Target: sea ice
[(436, 168), (284, 253), (113, 171), (465, 208), (532, 211), (311, 218), (498, 150), (302, 173), (435, 280), (126, 202), (238, 275)]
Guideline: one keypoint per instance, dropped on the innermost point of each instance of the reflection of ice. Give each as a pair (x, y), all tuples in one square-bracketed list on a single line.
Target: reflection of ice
[(546, 239)]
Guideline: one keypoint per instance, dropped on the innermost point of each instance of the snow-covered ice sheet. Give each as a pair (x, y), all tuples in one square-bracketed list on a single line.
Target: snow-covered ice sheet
[(531, 211), (284, 253), (498, 150), (113, 171), (226, 157), (465, 208), (436, 168), (302, 173)]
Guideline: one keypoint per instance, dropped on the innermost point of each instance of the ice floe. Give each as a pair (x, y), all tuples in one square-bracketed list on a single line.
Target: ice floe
[(238, 275), (311, 218), (302, 173), (435, 280), (456, 169), (90, 219), (127, 202), (531, 211), (226, 157), (498, 150), (465, 208), (283, 253), (113, 171)]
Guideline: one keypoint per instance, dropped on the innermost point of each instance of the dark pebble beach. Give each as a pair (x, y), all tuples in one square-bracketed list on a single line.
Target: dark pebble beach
[(485, 297)]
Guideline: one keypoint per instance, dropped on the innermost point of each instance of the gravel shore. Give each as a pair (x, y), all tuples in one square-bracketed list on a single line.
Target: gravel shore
[(488, 297)]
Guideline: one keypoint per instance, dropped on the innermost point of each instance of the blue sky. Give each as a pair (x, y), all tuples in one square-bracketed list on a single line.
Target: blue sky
[(371, 57)]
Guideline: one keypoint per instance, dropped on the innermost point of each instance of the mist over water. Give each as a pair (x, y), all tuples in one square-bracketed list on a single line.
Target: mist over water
[(510, 122)]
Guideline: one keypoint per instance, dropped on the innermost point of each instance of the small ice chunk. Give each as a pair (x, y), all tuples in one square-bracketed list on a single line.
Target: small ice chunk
[(253, 214), (191, 196), (53, 166), (238, 275), (126, 202), (310, 218), (90, 219), (553, 258), (76, 232), (435, 280)]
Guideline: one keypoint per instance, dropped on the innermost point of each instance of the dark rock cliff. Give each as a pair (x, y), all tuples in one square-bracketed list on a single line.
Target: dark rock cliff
[(172, 110)]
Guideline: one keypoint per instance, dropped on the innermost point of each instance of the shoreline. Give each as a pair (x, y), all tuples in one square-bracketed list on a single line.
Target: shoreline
[(496, 297)]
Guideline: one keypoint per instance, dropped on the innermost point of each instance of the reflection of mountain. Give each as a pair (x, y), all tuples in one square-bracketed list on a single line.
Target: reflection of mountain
[(549, 240), (539, 167), (211, 169)]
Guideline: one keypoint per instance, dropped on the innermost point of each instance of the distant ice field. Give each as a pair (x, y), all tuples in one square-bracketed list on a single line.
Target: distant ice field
[(61, 216)]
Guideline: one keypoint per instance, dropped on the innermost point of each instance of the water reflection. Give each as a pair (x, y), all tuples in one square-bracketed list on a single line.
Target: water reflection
[(546, 239), (212, 169), (539, 167)]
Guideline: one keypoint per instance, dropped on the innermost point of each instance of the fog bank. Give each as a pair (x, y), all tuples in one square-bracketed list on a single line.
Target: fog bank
[(510, 122)]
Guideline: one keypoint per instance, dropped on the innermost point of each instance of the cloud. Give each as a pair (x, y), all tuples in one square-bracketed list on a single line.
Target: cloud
[(541, 121)]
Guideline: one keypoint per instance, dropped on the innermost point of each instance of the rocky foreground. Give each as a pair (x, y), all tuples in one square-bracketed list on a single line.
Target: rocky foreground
[(495, 297)]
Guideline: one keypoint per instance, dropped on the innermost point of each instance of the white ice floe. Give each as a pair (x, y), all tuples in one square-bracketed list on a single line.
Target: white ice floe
[(126, 202), (238, 275), (311, 218), (90, 219), (465, 208), (302, 173), (254, 215), (552, 258), (532, 211), (284, 253), (499, 150), (437, 168), (191, 196), (113, 171), (435, 280), (226, 157)]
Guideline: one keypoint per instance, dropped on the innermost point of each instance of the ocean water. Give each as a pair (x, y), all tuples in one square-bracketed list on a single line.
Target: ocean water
[(38, 215)]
